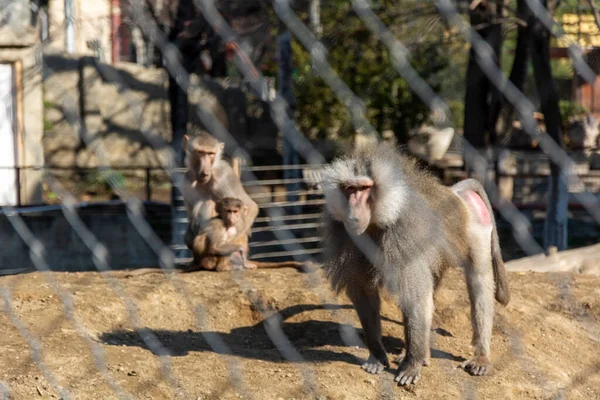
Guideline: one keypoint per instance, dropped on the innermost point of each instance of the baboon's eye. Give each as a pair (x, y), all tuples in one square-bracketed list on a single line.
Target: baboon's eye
[(348, 190)]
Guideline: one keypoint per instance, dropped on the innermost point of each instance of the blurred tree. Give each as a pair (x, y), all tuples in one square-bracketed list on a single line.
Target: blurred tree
[(488, 113), (364, 64)]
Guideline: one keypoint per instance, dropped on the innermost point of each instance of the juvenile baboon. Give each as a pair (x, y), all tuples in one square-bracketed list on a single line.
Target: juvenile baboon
[(221, 246), (392, 226), (209, 178)]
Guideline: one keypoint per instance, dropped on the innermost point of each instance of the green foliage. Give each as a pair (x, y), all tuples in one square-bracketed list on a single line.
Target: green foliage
[(106, 181), (48, 126), (365, 65), (51, 196), (49, 104), (457, 110), (570, 111)]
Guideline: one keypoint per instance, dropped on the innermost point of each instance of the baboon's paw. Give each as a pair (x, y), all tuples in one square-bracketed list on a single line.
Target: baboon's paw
[(477, 366), (374, 366), (408, 373)]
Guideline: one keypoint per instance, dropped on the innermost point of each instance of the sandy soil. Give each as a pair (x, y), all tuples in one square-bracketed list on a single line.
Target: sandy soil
[(545, 344)]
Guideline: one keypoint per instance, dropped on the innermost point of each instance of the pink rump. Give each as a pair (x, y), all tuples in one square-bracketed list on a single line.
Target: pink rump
[(476, 204)]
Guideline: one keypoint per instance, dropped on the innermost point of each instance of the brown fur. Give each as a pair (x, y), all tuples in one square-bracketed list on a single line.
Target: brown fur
[(220, 245), (214, 251)]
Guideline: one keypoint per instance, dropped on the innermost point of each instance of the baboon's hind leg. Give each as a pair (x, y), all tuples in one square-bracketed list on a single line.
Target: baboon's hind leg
[(417, 311), (367, 302), (480, 285)]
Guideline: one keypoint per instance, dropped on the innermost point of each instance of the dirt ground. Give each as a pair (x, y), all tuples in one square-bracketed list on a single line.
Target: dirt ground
[(545, 343)]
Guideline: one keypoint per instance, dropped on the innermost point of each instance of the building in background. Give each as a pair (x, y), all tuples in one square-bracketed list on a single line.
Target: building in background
[(103, 29), (21, 104)]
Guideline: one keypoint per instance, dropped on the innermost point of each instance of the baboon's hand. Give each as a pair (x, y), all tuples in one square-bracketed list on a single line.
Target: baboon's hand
[(242, 253), (245, 263), (250, 266), (374, 365), (477, 366), (408, 372)]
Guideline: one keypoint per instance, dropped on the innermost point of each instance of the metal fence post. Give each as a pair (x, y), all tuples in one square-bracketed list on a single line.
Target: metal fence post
[(148, 187), (286, 89)]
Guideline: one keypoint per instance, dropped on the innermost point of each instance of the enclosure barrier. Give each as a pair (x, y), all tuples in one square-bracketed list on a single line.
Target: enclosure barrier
[(289, 230)]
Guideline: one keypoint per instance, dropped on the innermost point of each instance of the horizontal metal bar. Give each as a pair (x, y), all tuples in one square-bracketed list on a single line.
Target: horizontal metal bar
[(62, 168), (290, 193), (292, 227), (282, 167), (315, 202), (284, 253), (270, 182), (312, 239), (267, 219), (288, 217)]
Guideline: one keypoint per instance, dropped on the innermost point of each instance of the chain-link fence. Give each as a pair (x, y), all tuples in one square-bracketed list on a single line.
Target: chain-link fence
[(270, 333)]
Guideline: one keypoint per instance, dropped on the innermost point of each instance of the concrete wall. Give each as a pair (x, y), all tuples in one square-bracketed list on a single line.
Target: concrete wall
[(64, 250)]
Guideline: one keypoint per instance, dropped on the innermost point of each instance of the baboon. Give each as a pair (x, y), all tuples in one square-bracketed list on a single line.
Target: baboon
[(390, 225), (221, 246), (209, 178)]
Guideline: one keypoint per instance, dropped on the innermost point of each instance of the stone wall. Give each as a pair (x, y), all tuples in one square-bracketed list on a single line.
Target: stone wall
[(119, 108)]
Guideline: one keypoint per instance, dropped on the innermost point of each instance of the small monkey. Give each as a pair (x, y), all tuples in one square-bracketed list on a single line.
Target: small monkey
[(222, 246), (390, 225), (217, 244)]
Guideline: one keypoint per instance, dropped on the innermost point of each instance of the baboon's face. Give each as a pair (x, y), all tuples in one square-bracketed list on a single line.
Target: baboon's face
[(202, 163), (231, 211), (358, 211), (202, 154)]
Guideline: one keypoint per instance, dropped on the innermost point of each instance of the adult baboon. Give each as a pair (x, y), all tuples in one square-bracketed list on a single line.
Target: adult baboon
[(391, 225), (208, 179)]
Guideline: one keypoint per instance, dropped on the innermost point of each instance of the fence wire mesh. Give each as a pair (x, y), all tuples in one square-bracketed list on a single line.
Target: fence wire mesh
[(294, 234)]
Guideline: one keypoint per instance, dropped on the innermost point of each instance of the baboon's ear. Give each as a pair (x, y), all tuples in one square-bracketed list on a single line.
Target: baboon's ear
[(222, 145), (244, 209), (185, 141)]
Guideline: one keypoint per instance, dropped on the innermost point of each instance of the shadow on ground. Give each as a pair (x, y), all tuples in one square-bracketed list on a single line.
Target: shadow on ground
[(308, 337)]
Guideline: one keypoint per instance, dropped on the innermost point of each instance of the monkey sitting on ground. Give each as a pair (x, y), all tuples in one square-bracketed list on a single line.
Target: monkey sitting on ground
[(389, 225), (208, 179), (222, 245)]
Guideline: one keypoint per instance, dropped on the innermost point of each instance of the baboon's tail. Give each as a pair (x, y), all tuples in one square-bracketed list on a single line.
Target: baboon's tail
[(500, 278)]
